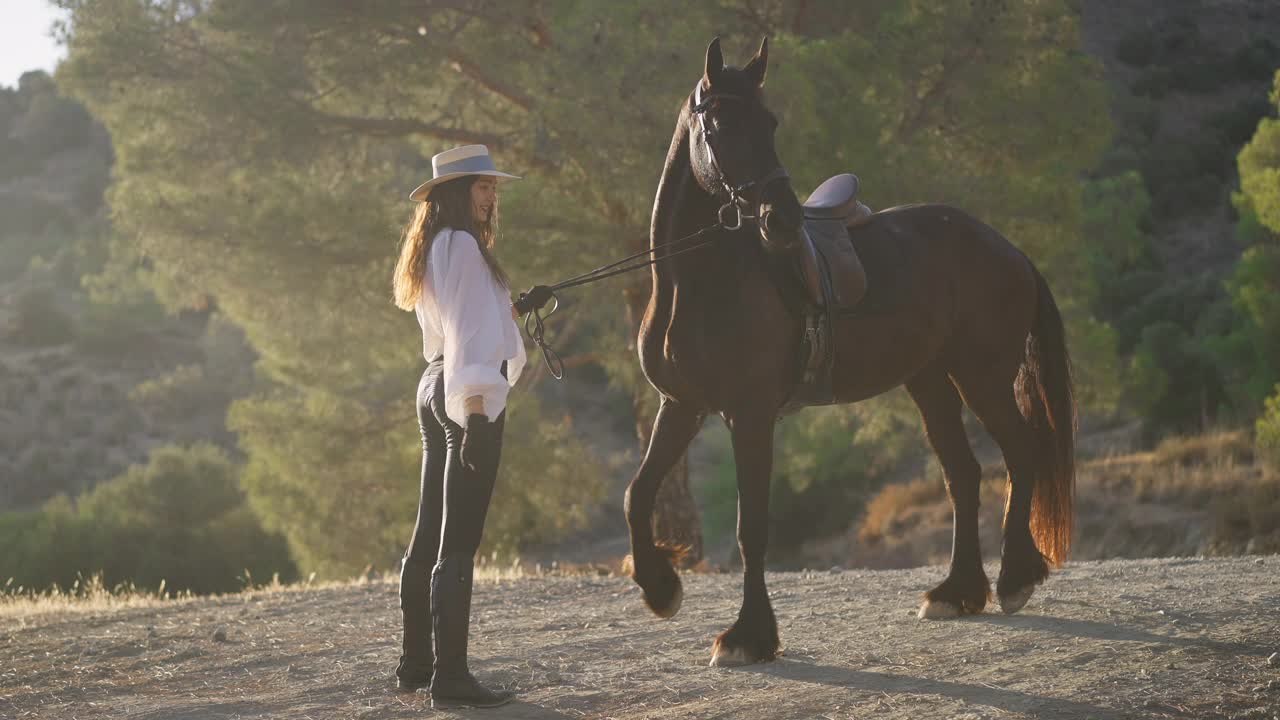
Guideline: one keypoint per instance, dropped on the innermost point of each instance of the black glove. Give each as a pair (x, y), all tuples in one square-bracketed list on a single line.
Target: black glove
[(479, 443), (534, 299)]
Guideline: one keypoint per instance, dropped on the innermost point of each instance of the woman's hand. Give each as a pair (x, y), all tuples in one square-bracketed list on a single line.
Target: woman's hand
[(537, 297), (479, 444)]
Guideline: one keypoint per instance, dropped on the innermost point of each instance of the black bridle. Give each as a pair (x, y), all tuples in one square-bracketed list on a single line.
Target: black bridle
[(729, 217), (737, 193)]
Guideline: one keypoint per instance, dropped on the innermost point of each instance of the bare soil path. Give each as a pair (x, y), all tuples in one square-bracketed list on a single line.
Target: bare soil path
[(1170, 638)]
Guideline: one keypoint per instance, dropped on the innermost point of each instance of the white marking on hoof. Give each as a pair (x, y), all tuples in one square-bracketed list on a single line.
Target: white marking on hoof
[(938, 610), (729, 657), (673, 607), (1013, 603)]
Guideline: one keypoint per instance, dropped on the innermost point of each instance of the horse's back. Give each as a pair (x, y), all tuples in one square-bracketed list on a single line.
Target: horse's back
[(906, 249), (940, 282)]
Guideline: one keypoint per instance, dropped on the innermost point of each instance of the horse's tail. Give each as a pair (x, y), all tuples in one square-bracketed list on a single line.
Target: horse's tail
[(1046, 398)]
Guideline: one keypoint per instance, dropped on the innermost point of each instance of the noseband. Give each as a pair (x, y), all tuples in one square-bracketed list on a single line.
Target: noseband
[(731, 213)]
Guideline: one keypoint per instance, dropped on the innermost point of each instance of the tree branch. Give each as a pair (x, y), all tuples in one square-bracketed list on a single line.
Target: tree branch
[(400, 127), (969, 40), (466, 66)]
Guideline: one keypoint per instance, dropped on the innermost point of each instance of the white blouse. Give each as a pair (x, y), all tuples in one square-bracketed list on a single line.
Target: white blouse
[(465, 314)]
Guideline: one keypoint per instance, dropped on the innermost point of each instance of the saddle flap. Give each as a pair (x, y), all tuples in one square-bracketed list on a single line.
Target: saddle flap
[(836, 198), (828, 255)]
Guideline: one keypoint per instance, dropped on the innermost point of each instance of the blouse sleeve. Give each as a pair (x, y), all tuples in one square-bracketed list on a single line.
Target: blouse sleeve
[(471, 320)]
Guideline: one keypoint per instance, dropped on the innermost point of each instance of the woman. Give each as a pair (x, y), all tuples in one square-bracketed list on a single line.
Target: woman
[(448, 276)]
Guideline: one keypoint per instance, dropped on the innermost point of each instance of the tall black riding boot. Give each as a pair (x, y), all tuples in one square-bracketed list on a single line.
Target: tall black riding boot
[(453, 684), (414, 670)]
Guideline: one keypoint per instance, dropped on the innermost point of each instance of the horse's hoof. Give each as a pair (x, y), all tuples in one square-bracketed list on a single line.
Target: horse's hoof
[(1013, 602), (938, 610), (672, 607), (723, 656), (729, 657)]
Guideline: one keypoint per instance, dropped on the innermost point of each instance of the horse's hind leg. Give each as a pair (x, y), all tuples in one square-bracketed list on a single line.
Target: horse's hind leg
[(966, 588), (673, 430), (1022, 566), (754, 636)]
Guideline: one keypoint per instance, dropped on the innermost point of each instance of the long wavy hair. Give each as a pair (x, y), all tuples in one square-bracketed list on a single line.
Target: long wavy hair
[(448, 206)]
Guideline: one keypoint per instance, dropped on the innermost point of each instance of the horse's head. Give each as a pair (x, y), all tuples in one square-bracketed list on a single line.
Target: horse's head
[(731, 148)]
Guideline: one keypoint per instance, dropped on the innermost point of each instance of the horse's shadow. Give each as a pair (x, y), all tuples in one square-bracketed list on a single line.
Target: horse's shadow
[(882, 682), (802, 670), (1068, 627)]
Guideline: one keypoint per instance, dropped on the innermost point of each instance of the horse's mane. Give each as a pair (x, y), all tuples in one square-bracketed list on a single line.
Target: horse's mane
[(675, 172)]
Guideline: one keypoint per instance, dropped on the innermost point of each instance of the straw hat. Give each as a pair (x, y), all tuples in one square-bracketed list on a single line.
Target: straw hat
[(456, 163)]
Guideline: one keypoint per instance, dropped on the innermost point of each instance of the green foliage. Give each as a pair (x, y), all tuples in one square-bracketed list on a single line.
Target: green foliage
[(181, 519), (1267, 431), (1249, 350), (1260, 167), (1166, 351), (1114, 240), (1198, 344)]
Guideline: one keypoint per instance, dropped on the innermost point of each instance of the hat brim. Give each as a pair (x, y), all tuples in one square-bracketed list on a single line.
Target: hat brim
[(420, 193)]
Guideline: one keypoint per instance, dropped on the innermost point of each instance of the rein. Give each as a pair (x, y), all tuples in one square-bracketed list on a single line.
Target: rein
[(534, 322)]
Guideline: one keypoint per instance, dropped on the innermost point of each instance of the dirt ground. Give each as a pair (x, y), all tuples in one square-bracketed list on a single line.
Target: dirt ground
[(1170, 638)]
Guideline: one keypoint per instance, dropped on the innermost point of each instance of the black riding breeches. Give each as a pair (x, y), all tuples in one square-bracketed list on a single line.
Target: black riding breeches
[(454, 499)]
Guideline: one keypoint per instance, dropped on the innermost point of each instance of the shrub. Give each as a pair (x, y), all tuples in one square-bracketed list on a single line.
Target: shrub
[(1268, 432), (180, 393), (1218, 447), (181, 519), (118, 330), (827, 463), (39, 320), (1137, 48), (1249, 521)]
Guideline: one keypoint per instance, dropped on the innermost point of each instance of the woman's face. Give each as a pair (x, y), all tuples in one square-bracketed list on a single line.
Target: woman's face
[(484, 197)]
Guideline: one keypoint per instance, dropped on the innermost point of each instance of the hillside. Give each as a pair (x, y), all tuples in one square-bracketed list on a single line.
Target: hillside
[(1185, 638), (72, 412), (1189, 82)]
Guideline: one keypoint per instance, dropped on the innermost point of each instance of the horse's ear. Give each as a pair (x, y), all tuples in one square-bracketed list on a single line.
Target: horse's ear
[(756, 68), (715, 62)]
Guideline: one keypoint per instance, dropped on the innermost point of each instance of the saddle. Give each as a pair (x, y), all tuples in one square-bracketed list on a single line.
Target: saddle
[(833, 278)]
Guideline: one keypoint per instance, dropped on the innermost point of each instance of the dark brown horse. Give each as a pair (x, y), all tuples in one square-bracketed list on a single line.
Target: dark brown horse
[(954, 312)]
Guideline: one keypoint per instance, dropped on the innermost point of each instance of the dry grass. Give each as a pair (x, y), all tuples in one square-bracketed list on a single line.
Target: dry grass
[(92, 595), (1190, 495), (1234, 445), (85, 595)]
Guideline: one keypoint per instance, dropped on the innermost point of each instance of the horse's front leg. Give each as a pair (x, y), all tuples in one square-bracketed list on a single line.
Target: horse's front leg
[(754, 637), (673, 430)]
